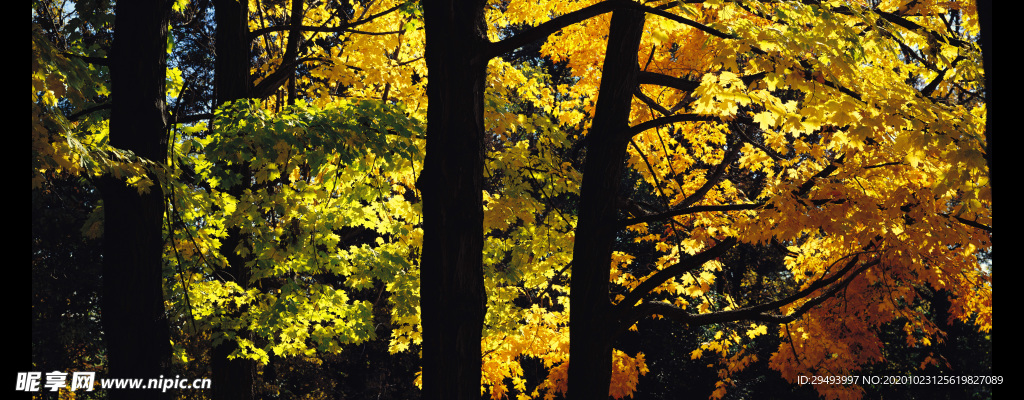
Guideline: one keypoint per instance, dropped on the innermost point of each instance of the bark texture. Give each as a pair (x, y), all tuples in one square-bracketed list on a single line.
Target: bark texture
[(591, 323), (453, 298), (232, 379), (134, 320)]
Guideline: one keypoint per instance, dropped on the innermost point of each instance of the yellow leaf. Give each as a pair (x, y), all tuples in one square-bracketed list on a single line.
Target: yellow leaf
[(659, 37)]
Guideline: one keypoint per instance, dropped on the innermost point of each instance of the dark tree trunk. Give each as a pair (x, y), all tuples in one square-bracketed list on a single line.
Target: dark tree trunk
[(231, 65), (591, 325), (453, 299), (232, 379), (134, 320)]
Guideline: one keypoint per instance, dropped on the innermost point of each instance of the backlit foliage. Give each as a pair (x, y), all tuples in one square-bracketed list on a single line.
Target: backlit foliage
[(319, 178), (848, 133), (357, 49)]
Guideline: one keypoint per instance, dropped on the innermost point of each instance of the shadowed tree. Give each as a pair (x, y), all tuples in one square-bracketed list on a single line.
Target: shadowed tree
[(134, 320)]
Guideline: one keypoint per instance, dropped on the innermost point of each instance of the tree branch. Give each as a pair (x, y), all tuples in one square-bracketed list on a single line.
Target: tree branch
[(654, 78), (686, 85), (665, 14), (650, 102), (268, 85), (913, 26), (806, 186), (346, 27), (654, 123), (969, 223), (184, 119), (757, 312), (553, 25), (716, 176), (691, 210), (91, 60), (662, 276), (77, 115)]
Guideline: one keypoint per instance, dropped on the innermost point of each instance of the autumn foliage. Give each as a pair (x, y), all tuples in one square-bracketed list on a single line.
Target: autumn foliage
[(847, 137)]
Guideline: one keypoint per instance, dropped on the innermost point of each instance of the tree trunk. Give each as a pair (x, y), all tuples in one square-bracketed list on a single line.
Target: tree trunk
[(232, 379), (453, 298), (231, 65), (133, 316), (591, 327)]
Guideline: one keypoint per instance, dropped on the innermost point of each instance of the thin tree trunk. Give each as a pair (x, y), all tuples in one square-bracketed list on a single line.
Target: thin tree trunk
[(453, 298), (134, 320), (232, 379), (591, 326), (231, 65)]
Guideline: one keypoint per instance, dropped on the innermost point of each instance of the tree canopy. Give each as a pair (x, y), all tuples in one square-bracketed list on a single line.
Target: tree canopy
[(465, 197)]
